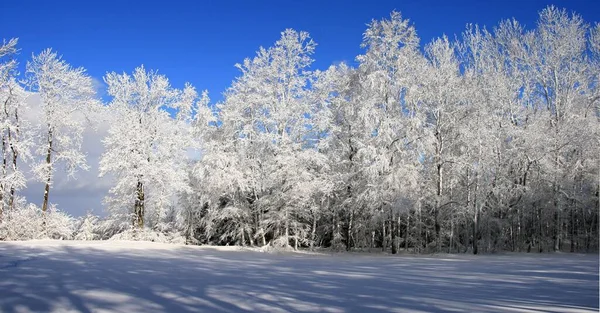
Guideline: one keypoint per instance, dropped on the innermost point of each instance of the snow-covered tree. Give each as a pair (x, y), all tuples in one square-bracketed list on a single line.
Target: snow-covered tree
[(258, 161), (67, 95), (390, 145), (16, 135), (148, 143), (482, 143), (456, 148), (87, 229), (560, 81), (28, 221)]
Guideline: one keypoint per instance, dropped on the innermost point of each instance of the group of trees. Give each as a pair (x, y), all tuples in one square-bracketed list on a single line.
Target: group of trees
[(487, 142)]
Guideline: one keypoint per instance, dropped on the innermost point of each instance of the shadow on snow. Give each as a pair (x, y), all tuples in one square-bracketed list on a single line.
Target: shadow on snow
[(88, 278)]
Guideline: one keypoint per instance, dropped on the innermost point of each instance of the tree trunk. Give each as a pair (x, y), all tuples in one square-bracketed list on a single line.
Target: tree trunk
[(383, 241), (261, 229), (287, 228), (556, 228), (419, 229), (49, 172), (349, 233), (572, 229), (4, 156), (475, 230), (372, 240), (451, 236), (242, 237), (139, 206), (556, 187), (540, 230), (407, 231), (398, 231), (512, 236), (476, 217), (250, 238), (436, 212), (313, 235), (393, 232), (519, 230), (295, 237), (11, 202)]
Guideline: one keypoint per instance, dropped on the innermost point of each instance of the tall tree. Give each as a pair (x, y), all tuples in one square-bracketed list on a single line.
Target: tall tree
[(553, 58), (67, 95), (147, 143), (16, 139), (261, 161), (388, 80)]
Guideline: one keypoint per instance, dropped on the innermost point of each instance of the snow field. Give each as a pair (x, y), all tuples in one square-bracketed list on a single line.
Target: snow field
[(101, 276)]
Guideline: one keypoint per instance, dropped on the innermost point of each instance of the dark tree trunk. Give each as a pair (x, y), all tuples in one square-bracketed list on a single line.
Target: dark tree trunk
[(393, 233), (349, 235), (475, 230), (4, 172), (15, 156), (49, 174), (139, 206), (383, 236), (407, 231), (313, 235)]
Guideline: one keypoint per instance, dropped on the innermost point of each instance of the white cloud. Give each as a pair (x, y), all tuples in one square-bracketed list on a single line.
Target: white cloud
[(86, 190), (99, 86)]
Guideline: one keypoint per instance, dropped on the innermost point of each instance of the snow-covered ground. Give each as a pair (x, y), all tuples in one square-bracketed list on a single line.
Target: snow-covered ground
[(71, 276)]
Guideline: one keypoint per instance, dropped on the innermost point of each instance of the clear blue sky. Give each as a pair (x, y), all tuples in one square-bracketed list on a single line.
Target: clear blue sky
[(200, 41)]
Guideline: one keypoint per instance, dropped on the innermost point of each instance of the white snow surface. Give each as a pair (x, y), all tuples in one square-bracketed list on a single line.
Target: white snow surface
[(111, 276)]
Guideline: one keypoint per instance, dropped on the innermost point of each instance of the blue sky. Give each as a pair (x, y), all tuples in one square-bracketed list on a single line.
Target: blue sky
[(201, 41)]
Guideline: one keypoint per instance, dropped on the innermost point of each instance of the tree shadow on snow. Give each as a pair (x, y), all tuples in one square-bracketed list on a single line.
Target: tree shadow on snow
[(67, 278)]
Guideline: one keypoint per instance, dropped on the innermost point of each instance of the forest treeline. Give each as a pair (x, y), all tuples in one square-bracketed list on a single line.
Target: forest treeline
[(486, 142)]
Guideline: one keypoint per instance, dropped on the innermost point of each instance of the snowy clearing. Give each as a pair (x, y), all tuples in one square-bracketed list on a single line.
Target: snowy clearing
[(72, 276)]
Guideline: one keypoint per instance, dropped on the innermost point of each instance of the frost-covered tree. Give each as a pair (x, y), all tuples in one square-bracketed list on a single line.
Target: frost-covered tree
[(555, 63), (481, 143), (557, 73), (7, 51), (16, 136), (259, 162), (391, 145), (485, 174), (445, 112), (148, 143), (28, 221), (87, 229), (67, 95)]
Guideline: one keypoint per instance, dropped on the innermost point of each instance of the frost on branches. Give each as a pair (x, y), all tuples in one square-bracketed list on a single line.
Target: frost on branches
[(484, 142), (16, 133), (67, 96), (147, 146), (261, 168), (28, 221)]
